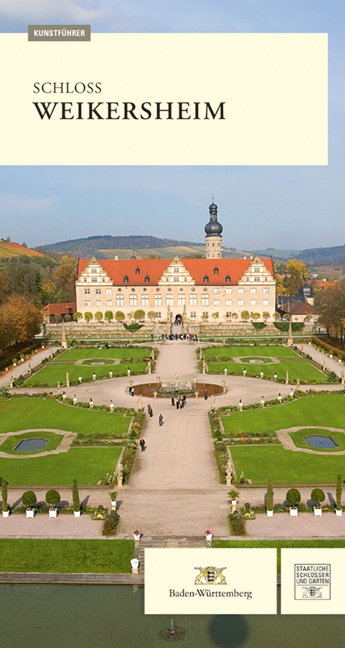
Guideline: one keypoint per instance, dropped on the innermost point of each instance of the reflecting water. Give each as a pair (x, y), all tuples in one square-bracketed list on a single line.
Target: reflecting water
[(30, 445), (100, 616), (320, 442)]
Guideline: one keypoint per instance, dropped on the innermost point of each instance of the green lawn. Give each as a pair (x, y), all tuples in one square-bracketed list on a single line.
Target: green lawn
[(12, 441), (53, 373), (67, 556), (284, 544), (71, 355), (258, 463), (300, 369), (85, 464), (319, 409), (25, 413), (277, 351), (300, 442)]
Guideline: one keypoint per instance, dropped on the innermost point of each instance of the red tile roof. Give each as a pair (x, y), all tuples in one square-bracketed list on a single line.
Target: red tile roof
[(64, 308), (154, 268)]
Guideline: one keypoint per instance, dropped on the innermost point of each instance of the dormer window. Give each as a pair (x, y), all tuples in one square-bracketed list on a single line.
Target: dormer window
[(147, 279), (137, 270), (216, 270), (125, 279), (206, 279), (227, 279)]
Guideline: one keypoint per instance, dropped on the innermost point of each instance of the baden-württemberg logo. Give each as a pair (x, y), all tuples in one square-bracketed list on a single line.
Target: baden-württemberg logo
[(210, 576), (312, 581)]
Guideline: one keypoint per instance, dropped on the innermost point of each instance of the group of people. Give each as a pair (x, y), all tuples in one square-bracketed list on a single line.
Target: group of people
[(182, 336), (180, 402)]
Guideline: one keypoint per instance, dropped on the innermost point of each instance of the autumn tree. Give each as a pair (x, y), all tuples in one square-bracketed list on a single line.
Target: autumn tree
[(296, 275), (22, 319)]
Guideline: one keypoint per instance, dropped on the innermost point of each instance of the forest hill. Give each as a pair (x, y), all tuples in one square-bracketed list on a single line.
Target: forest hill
[(109, 110)]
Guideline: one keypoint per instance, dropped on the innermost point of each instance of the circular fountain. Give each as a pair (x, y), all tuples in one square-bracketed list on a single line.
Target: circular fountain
[(173, 633)]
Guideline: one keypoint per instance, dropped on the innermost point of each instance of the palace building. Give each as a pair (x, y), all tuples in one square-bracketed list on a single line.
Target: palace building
[(189, 290)]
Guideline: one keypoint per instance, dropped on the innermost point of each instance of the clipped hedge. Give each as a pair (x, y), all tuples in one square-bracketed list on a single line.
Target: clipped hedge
[(237, 524)]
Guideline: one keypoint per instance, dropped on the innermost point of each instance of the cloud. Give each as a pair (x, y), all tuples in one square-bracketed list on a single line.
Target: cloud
[(16, 204)]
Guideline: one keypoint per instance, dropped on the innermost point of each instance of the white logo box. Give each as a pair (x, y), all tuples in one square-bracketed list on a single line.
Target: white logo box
[(210, 581)]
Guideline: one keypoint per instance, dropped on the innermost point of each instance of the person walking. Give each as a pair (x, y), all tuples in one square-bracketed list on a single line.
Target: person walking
[(142, 444), (173, 401), (178, 404), (205, 394), (150, 411), (160, 420)]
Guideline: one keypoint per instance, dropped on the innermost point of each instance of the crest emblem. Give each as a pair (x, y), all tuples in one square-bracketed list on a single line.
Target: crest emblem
[(210, 576)]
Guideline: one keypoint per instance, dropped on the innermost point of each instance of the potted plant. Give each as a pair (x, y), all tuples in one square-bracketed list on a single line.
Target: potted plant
[(269, 498), (76, 500), (339, 510), (233, 494), (29, 500), (293, 497), (113, 498), (208, 534), (318, 496), (52, 498), (5, 510), (136, 534)]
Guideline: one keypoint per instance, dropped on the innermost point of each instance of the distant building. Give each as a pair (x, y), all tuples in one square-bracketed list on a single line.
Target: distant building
[(64, 308)]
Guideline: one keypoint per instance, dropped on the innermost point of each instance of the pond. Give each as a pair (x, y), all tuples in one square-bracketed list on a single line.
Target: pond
[(112, 616), (31, 445), (321, 442)]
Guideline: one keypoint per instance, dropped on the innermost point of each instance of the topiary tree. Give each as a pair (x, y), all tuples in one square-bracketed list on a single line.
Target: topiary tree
[(234, 316), (52, 497), (108, 315), (266, 315), (318, 496), (120, 316), (245, 315), (88, 317), (139, 314), (98, 316), (269, 495), (29, 498), (256, 316), (75, 495), (4, 495), (293, 496), (77, 316), (151, 315), (215, 315), (339, 492)]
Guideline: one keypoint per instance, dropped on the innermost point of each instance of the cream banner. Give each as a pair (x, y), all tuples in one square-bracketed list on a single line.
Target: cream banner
[(165, 99)]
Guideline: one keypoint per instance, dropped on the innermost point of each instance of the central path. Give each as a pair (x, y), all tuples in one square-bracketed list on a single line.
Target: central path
[(174, 487)]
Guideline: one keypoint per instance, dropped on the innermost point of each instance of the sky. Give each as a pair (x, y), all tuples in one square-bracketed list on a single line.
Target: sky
[(259, 206)]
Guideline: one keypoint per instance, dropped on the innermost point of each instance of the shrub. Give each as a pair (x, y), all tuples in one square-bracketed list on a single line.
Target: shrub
[(52, 497), (29, 498), (75, 495), (293, 496), (339, 491), (4, 495), (247, 506), (233, 494), (318, 496), (237, 525), (139, 314), (120, 316), (269, 496), (111, 524)]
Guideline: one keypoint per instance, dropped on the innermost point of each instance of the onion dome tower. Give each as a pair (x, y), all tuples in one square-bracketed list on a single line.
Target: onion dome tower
[(213, 231)]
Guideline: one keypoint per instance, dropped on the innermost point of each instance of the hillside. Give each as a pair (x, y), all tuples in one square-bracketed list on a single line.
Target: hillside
[(323, 256), (9, 250)]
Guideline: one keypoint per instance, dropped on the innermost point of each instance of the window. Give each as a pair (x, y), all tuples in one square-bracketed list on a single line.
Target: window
[(167, 279), (205, 314), (170, 300), (240, 302), (176, 278), (147, 279), (133, 300), (98, 303), (216, 291), (176, 269), (193, 315), (144, 300), (253, 302), (181, 300), (253, 291), (94, 279), (216, 270), (109, 302), (98, 291), (229, 302), (240, 291), (227, 278), (85, 279), (87, 303), (256, 278), (266, 279), (216, 302), (206, 279), (247, 278), (266, 302), (87, 291), (228, 291), (125, 279), (94, 270), (266, 291), (108, 291), (193, 300), (119, 300), (228, 314), (205, 300), (158, 300), (103, 279), (256, 269), (137, 270), (159, 315)]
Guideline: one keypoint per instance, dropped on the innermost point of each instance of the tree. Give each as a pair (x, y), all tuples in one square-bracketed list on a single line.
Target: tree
[(22, 319), (266, 315), (53, 497), (75, 496), (29, 498), (234, 316), (269, 495), (280, 288), (88, 317), (256, 316), (139, 314), (215, 315), (151, 315), (98, 316), (77, 316), (245, 315), (57, 318), (120, 316), (64, 278), (339, 492), (293, 496), (4, 495), (108, 315), (296, 275), (318, 496)]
